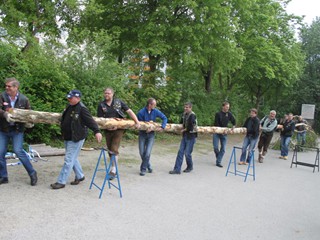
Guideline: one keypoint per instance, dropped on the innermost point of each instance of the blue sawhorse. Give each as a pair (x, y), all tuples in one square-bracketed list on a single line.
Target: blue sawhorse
[(106, 169), (251, 164)]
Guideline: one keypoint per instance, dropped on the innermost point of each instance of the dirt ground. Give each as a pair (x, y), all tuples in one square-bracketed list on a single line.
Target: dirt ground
[(283, 202)]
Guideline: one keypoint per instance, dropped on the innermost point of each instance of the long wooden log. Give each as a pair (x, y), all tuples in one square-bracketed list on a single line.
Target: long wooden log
[(30, 116)]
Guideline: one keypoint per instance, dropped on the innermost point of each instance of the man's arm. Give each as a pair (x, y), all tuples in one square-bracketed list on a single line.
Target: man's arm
[(133, 117), (271, 127), (88, 121), (232, 119), (257, 127), (217, 120), (99, 111), (163, 118)]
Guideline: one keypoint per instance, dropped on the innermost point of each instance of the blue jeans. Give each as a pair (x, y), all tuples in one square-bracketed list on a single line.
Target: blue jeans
[(146, 141), (186, 148), (301, 138), (71, 161), (251, 142), (17, 143), (284, 143), (223, 141)]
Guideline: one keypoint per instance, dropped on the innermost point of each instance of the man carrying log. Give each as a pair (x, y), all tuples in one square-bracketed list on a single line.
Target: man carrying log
[(146, 137), (267, 125), (114, 108), (189, 135), (287, 130), (9, 129), (252, 124), (75, 121), (222, 119), (301, 130)]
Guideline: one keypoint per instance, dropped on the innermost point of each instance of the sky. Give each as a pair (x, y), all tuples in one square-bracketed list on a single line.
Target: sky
[(308, 8)]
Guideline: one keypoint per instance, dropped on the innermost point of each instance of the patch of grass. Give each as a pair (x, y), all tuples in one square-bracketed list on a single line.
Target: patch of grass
[(129, 161), (58, 143)]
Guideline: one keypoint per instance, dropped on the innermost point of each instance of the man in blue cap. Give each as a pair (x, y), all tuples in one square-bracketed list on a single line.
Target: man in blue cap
[(76, 119)]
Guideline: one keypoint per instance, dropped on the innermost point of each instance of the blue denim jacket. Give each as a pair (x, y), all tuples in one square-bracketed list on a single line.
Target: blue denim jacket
[(144, 115)]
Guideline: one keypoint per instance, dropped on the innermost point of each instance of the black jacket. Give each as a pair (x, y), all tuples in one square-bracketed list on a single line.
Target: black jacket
[(22, 102), (288, 128), (76, 119), (252, 125), (222, 119)]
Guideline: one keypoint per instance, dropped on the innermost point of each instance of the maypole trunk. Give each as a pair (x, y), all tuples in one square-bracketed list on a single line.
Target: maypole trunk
[(30, 116)]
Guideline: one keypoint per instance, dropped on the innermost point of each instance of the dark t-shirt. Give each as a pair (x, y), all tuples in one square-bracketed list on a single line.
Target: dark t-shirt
[(106, 111)]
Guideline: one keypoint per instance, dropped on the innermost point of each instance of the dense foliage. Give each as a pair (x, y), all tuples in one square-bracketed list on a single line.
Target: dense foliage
[(206, 52)]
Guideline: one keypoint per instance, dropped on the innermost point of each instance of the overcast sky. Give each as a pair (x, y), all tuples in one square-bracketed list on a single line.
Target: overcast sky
[(309, 8)]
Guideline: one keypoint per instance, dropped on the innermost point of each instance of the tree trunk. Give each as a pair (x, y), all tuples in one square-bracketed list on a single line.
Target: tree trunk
[(30, 116), (207, 74), (258, 97)]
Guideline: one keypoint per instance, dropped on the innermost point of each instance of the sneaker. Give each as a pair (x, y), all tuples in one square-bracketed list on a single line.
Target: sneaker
[(142, 173), (219, 165), (281, 157), (285, 157), (188, 170), (150, 170), (242, 163), (174, 172)]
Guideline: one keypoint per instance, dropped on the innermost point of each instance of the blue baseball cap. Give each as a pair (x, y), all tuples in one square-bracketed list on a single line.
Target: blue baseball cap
[(74, 93)]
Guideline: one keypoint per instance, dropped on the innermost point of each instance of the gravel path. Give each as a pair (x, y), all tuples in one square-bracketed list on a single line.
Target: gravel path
[(282, 203)]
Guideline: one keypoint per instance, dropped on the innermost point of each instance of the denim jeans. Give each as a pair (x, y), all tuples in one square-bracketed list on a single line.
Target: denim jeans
[(17, 143), (186, 148), (71, 161), (301, 138), (223, 141), (146, 141), (251, 142), (284, 143)]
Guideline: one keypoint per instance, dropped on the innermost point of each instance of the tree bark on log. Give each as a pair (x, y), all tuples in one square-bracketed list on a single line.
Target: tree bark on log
[(30, 116)]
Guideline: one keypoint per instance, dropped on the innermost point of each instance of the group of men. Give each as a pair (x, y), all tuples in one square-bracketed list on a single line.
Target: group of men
[(76, 120), (267, 125)]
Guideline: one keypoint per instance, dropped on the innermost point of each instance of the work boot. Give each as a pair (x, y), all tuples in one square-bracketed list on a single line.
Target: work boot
[(34, 179)]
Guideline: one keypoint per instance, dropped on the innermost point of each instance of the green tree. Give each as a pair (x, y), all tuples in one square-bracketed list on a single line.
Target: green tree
[(23, 22), (307, 89), (273, 58), (93, 68)]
